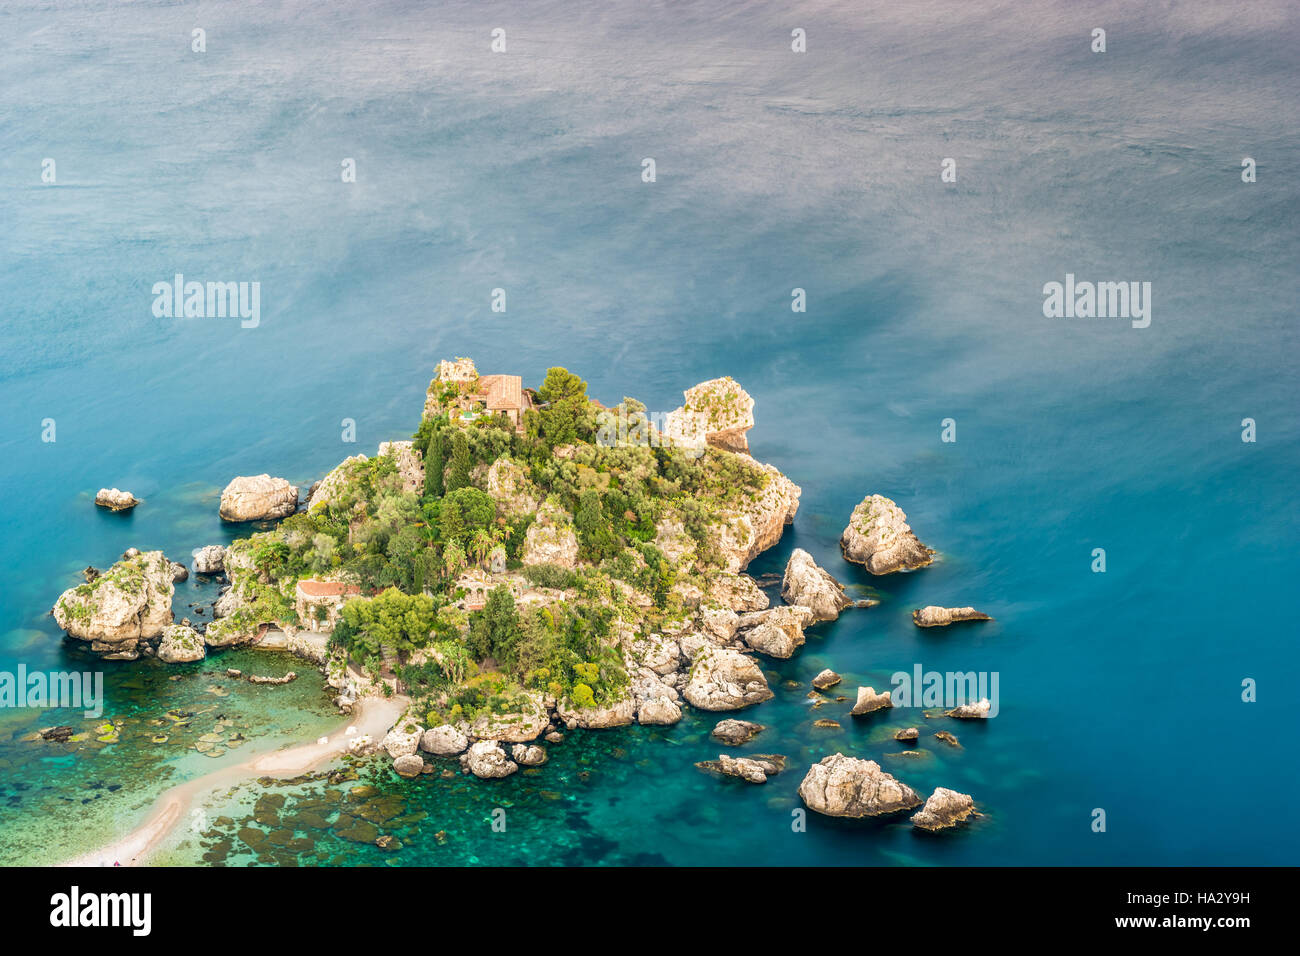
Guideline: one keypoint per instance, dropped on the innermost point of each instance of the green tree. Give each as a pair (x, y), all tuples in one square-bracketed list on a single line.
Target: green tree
[(495, 632), (560, 384), (597, 539), (461, 462), (464, 512)]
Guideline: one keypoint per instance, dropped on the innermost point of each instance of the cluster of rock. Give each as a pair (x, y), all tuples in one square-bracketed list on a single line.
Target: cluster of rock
[(841, 786), (123, 609)]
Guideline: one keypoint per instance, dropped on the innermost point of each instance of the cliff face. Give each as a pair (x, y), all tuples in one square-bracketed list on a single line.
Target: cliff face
[(746, 531)]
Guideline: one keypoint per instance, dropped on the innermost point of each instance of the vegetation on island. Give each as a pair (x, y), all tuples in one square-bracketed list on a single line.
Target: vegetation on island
[(536, 628)]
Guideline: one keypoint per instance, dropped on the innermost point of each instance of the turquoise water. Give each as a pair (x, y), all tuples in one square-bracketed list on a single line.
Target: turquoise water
[(522, 171)]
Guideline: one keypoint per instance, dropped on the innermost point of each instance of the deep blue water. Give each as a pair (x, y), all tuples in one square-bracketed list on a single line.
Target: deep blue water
[(775, 170)]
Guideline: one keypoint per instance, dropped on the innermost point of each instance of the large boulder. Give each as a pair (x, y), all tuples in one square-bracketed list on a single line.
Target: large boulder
[(486, 759), (402, 743), (656, 702), (409, 765), (776, 632), (210, 559), (724, 679), (739, 592), (115, 499), (943, 616), (129, 603), (258, 498), (807, 584), (879, 537), (528, 755), (443, 741), (841, 786), (978, 710), (181, 644), (944, 808), (869, 701)]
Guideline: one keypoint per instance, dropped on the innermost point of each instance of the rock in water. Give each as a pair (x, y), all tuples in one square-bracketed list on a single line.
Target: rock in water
[(879, 537), (945, 808), (841, 786), (827, 678), (116, 500), (210, 559), (486, 759), (907, 735), (813, 587), (943, 616), (129, 603), (723, 679), (776, 632), (528, 755), (869, 701), (754, 769), (181, 645), (409, 765), (258, 498), (736, 732), (401, 744), (976, 711)]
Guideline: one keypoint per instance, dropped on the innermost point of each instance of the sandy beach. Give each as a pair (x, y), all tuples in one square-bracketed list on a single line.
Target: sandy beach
[(374, 716)]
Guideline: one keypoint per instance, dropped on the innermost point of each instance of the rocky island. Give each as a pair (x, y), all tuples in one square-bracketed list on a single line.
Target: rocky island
[(529, 562)]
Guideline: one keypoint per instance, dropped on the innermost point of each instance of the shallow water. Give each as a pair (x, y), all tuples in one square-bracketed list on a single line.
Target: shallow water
[(1118, 691)]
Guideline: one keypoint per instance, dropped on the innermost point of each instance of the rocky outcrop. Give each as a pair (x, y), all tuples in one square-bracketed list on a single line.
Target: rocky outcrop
[(869, 701), (826, 679), (979, 710), (736, 591), (776, 632), (510, 488), (410, 466), (752, 769), (618, 714), (879, 537), (486, 759), (656, 702), (943, 616), (551, 539), (443, 741), (944, 808), (181, 644), (808, 585), (736, 732), (129, 603), (748, 529), (723, 679), (841, 786), (329, 489), (907, 735), (258, 498), (526, 723), (718, 412), (115, 499)]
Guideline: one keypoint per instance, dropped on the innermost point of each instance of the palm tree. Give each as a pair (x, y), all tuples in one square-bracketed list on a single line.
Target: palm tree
[(453, 559), (480, 545)]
